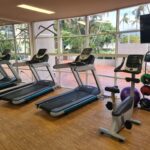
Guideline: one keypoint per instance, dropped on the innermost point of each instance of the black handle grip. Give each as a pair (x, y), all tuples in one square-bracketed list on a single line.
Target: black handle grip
[(117, 69), (132, 80)]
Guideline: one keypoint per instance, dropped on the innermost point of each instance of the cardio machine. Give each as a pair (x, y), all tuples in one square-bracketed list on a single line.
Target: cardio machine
[(7, 81), (38, 87), (122, 113), (81, 95)]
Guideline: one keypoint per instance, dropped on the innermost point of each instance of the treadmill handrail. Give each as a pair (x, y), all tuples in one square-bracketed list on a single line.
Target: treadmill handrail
[(33, 64), (18, 79), (84, 68), (19, 64), (60, 66), (5, 62), (36, 65)]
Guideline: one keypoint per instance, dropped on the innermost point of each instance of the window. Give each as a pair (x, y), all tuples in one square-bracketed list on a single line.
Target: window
[(129, 17), (72, 31), (109, 36)]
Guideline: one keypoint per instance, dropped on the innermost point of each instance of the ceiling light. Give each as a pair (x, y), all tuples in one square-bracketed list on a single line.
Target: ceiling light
[(35, 9)]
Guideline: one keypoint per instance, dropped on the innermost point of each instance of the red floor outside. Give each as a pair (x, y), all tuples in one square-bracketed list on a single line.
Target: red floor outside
[(67, 79)]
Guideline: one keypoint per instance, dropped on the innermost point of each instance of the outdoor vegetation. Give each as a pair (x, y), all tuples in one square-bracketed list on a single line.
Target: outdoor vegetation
[(19, 44), (100, 33)]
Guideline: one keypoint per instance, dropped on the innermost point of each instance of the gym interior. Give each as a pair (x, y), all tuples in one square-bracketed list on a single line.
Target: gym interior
[(74, 75)]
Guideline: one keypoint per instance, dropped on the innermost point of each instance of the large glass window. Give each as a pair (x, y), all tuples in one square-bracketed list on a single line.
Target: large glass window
[(16, 38), (109, 36), (130, 17), (129, 34), (103, 44), (6, 38), (103, 22), (15, 35), (6, 32), (72, 32), (102, 30), (73, 44), (73, 26)]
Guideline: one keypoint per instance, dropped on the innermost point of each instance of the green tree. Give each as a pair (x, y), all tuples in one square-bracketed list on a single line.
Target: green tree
[(5, 44), (140, 10), (104, 35), (133, 38), (125, 19), (70, 29), (22, 38), (76, 27)]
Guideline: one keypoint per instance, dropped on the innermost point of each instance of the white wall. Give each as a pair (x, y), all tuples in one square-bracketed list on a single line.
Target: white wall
[(45, 39), (133, 48)]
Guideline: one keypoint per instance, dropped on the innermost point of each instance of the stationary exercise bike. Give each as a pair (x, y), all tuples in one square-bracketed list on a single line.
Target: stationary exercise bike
[(122, 113)]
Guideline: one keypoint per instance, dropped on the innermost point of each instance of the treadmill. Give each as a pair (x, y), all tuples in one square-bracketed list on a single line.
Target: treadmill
[(7, 81), (81, 95), (37, 88)]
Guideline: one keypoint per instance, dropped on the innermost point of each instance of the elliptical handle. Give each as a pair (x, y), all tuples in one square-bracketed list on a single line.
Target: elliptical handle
[(117, 69)]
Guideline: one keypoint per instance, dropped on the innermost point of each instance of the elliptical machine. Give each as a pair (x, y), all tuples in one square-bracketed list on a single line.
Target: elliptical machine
[(122, 113)]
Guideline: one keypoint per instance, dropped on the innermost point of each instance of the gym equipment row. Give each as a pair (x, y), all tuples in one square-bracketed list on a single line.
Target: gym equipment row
[(27, 92), (69, 101), (81, 95)]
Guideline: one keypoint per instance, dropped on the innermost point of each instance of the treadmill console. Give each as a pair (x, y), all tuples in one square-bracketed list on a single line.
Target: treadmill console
[(85, 58), (5, 55), (40, 57), (134, 64)]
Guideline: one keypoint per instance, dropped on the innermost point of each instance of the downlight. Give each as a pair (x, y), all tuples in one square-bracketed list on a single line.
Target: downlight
[(32, 8)]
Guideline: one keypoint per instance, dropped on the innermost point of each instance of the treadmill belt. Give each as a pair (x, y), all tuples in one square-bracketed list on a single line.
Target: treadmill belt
[(11, 84), (7, 82), (62, 100), (24, 91)]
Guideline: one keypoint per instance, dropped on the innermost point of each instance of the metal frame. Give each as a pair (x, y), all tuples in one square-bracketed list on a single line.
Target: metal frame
[(76, 69), (3, 73), (35, 73), (18, 79)]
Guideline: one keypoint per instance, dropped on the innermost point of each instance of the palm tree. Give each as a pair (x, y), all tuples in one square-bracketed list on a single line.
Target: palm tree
[(137, 12), (70, 28), (141, 10), (147, 6), (125, 19)]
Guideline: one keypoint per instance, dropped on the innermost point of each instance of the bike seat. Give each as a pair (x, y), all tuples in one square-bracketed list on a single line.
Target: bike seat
[(113, 89)]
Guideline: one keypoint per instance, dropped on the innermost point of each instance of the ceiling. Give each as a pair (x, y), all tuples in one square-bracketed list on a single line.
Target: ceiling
[(9, 13)]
